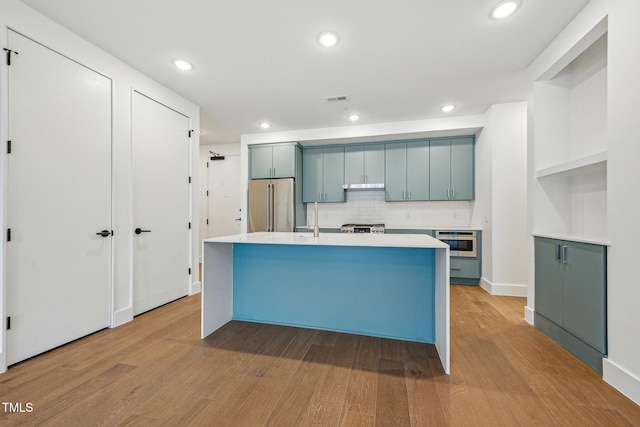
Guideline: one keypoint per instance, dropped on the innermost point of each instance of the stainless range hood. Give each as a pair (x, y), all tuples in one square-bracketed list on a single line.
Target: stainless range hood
[(363, 186)]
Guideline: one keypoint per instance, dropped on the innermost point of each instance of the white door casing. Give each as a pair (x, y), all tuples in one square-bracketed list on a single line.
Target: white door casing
[(161, 199), (58, 198)]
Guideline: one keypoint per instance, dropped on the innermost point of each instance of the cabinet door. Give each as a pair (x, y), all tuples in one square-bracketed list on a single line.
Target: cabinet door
[(584, 293), (312, 175), (418, 170), (333, 174), (261, 162), (374, 163), (395, 171), (462, 169), (284, 161), (548, 280), (440, 170), (354, 164)]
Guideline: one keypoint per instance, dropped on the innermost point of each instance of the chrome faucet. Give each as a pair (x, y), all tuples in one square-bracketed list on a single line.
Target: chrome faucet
[(316, 229)]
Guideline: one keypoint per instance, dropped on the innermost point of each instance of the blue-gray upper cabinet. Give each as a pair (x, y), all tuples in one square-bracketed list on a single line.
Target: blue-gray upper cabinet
[(364, 164), (452, 169), (407, 171), (323, 174), (273, 161)]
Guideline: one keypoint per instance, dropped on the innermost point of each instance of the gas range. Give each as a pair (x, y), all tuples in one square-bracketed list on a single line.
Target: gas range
[(362, 228)]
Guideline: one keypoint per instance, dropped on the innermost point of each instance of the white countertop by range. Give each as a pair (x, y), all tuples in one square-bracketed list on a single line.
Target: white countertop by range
[(335, 239)]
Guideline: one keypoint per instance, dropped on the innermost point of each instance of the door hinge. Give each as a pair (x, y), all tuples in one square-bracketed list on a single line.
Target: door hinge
[(189, 226), (207, 193), (8, 147), (190, 132), (8, 322), (207, 164), (189, 271), (189, 180), (9, 52), (207, 221), (8, 234)]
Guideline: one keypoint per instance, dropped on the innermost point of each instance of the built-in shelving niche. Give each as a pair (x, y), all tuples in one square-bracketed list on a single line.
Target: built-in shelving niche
[(570, 150)]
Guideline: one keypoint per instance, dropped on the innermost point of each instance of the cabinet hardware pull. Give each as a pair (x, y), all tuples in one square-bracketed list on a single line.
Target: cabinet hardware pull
[(453, 193), (564, 254), (448, 196), (456, 269), (558, 253)]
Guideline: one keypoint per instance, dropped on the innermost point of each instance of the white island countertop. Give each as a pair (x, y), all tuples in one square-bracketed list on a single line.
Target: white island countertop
[(335, 239)]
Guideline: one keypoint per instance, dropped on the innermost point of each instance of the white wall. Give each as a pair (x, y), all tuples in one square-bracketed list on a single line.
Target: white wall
[(622, 366), (22, 19), (508, 247)]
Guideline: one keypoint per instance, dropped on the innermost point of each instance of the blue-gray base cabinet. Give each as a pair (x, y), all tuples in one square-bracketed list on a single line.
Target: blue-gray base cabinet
[(571, 296), (465, 271)]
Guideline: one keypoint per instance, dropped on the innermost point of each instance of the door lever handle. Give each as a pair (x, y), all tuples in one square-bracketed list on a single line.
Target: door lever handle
[(140, 230), (105, 233)]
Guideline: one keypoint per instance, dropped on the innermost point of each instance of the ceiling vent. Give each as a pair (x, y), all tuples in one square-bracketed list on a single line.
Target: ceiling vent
[(338, 98)]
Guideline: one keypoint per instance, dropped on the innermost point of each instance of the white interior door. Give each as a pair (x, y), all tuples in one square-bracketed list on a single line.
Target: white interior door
[(58, 198), (224, 196), (160, 145)]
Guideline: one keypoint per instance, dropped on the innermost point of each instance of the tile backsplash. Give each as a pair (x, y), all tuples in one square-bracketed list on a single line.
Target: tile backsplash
[(369, 207)]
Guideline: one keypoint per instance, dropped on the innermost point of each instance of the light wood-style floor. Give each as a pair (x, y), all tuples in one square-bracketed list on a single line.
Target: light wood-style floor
[(156, 371)]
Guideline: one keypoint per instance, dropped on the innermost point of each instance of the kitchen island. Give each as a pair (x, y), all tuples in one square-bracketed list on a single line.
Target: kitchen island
[(384, 285)]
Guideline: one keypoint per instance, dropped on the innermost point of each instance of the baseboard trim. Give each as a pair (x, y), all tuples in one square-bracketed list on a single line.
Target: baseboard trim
[(505, 290), (122, 316), (529, 315), (621, 379), (195, 288)]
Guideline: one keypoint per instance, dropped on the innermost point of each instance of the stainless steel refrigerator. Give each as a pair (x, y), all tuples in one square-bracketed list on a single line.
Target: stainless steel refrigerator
[(271, 205)]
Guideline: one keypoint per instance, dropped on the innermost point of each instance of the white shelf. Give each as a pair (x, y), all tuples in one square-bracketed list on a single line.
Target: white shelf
[(592, 163)]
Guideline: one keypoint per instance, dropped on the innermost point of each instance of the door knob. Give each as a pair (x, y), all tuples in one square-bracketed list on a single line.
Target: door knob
[(105, 233), (140, 230)]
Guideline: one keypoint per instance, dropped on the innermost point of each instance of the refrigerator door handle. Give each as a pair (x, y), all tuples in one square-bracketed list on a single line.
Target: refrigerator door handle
[(269, 205), (272, 199)]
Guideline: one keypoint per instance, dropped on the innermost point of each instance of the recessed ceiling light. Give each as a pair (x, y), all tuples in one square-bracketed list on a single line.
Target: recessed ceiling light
[(504, 9), (182, 64), (354, 117), (265, 125), (328, 38), (448, 108)]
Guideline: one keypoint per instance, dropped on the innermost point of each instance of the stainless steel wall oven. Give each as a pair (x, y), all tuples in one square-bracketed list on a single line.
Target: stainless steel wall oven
[(462, 243)]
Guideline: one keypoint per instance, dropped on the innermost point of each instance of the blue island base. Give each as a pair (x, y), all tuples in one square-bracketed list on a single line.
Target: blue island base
[(378, 291)]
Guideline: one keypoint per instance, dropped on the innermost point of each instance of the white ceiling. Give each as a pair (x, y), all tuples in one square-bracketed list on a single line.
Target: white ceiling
[(258, 60)]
